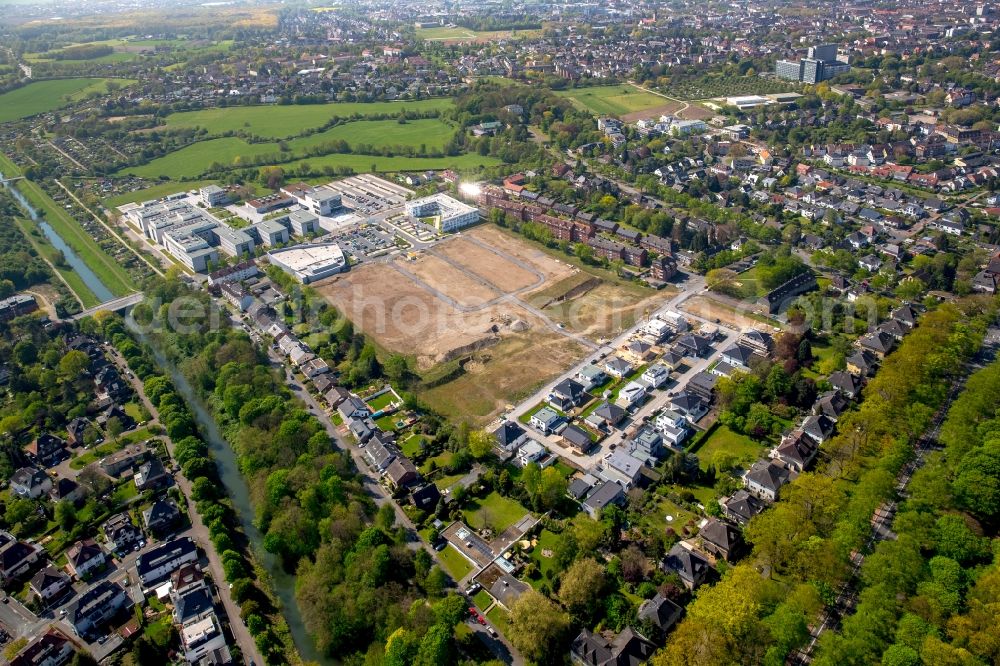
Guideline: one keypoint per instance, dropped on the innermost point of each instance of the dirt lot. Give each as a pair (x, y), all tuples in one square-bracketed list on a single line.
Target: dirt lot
[(605, 310), (500, 272), (439, 312), (428, 308), (668, 109), (450, 281), (552, 268), (501, 375), (711, 309)]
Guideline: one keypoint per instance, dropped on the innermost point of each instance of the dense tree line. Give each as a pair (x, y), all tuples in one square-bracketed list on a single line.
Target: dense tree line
[(760, 610), (358, 582), (932, 594)]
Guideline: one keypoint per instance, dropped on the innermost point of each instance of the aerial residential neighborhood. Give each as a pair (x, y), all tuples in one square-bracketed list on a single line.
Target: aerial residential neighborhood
[(478, 332)]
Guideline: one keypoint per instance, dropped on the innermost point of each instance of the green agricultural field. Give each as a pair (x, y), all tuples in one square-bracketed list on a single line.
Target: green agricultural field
[(612, 100), (45, 96), (154, 192), (196, 159), (280, 121)]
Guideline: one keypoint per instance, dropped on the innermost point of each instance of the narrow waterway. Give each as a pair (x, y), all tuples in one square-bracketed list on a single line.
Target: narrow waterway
[(79, 267), (238, 491)]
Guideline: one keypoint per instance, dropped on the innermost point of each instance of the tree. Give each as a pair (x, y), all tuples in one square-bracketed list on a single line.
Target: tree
[(900, 655), (582, 585), (114, 427), (538, 627), (436, 647), (977, 480), (72, 365), (481, 443), (397, 368), (957, 541), (65, 515)]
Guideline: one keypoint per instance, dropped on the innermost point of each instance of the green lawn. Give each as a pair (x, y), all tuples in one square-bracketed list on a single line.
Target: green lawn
[(125, 491), (500, 619), (454, 563), (444, 482), (612, 100), (387, 423), (290, 120), (412, 446), (496, 509), (441, 460), (482, 599), (45, 96), (109, 447), (704, 494), (109, 271), (656, 519), (546, 541), (381, 402), (726, 445)]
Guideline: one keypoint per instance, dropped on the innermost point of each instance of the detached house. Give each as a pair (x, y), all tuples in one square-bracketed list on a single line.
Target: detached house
[(546, 420), (50, 649), (85, 557), (16, 557), (796, 451), (626, 648), (618, 367), (566, 395), (92, 610), (720, 539), (765, 478), (690, 566), (46, 450), (30, 482), (49, 583)]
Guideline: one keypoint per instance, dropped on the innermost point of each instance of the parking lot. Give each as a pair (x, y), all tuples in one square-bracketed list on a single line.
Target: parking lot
[(370, 195), (365, 241)]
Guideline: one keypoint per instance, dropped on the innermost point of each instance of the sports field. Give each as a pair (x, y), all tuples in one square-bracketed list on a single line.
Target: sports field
[(45, 96), (290, 120), (612, 100)]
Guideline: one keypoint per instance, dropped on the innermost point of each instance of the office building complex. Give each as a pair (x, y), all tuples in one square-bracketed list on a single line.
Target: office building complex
[(448, 214), (820, 64)]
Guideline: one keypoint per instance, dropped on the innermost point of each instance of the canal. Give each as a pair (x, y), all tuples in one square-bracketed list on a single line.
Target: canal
[(88, 276), (236, 486), (282, 582)]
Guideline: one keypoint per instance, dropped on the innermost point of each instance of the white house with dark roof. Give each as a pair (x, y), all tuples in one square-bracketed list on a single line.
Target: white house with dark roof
[(765, 478)]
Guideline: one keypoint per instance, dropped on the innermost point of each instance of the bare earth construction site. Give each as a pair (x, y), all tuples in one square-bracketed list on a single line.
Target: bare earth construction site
[(483, 311)]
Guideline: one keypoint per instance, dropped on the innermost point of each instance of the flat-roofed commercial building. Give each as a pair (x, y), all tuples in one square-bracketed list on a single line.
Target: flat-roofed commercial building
[(309, 263), (449, 214)]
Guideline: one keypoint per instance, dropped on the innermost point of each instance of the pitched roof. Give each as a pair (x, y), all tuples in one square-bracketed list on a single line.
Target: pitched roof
[(721, 534), (688, 564)]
